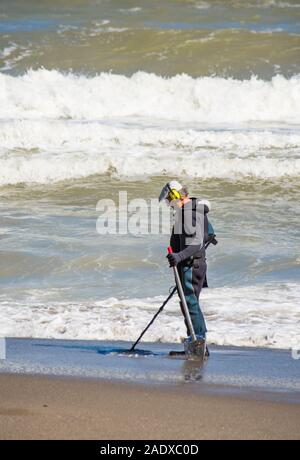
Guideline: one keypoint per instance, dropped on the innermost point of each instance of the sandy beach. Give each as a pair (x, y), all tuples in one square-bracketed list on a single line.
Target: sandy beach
[(68, 389), (35, 407)]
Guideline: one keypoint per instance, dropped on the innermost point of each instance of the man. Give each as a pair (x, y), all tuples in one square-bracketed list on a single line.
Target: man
[(190, 233)]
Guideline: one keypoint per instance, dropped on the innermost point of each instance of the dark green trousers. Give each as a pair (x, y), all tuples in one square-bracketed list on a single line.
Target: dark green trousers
[(192, 278)]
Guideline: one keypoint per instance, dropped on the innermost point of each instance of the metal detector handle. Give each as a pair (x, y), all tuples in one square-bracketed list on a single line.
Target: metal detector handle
[(183, 301)]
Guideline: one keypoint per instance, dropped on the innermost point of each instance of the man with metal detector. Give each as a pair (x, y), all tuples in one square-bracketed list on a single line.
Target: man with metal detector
[(191, 234)]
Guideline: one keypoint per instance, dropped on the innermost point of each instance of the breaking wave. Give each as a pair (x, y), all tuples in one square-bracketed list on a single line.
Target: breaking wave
[(51, 94), (264, 316), (57, 127)]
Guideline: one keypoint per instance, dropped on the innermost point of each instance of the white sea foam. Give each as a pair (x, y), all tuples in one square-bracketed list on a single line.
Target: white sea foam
[(56, 127), (5, 55), (202, 6), (265, 4), (278, 4), (134, 9), (11, 55), (264, 315), (66, 150), (82, 135), (8, 50), (51, 94), (62, 29)]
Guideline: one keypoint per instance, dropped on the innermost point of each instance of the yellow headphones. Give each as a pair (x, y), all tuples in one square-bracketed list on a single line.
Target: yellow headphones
[(173, 194)]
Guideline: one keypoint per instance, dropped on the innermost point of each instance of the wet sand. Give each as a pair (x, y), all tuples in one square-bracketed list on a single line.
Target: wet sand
[(72, 389), (35, 407), (238, 370)]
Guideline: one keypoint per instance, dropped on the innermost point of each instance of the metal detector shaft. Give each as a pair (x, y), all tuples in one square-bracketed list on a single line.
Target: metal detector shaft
[(183, 301), (153, 319)]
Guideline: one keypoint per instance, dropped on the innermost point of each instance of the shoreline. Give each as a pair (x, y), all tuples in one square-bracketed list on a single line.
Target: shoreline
[(230, 371)]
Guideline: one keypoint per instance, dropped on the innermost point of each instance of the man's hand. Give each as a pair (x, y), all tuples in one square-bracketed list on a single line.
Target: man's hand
[(174, 259)]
